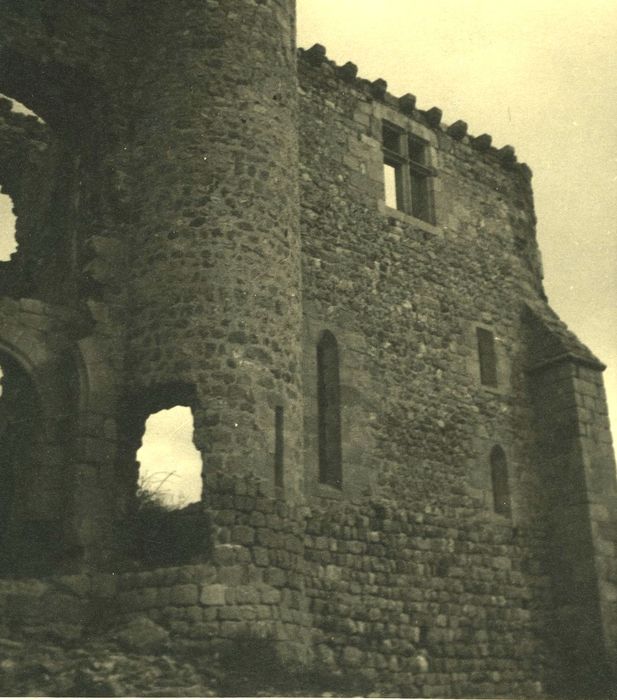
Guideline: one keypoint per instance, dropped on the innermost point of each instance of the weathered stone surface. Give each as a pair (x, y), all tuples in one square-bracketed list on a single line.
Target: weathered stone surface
[(213, 594), (194, 212), (141, 634)]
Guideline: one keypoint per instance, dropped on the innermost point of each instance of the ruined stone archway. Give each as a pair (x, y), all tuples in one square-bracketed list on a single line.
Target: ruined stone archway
[(30, 527), (20, 419), (38, 419)]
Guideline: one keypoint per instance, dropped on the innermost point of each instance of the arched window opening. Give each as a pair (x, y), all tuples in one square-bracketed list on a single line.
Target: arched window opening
[(329, 411), (499, 477), (170, 464), (8, 241)]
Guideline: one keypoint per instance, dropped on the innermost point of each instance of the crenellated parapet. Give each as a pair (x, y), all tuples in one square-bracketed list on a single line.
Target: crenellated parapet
[(407, 105)]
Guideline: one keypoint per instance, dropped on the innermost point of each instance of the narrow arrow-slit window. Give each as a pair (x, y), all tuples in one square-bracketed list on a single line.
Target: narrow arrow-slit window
[(329, 411)]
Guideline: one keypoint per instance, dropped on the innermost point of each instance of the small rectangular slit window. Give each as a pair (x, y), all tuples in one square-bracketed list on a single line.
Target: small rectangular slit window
[(487, 357), (279, 446)]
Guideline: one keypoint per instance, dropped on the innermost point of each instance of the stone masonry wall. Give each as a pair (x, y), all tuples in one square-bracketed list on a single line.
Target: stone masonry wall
[(413, 605), (578, 464), (445, 605), (196, 210), (404, 298), (215, 267), (249, 582)]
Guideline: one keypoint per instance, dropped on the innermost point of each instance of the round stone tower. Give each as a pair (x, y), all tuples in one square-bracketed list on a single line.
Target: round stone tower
[(214, 281)]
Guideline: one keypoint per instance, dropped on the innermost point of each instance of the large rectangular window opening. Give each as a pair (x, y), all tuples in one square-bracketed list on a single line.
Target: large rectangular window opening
[(406, 173)]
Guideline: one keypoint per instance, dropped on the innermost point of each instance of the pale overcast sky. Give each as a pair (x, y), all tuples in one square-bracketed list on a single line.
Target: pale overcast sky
[(540, 75)]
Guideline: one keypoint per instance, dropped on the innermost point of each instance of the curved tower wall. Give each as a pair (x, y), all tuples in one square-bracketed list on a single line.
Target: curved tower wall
[(214, 274)]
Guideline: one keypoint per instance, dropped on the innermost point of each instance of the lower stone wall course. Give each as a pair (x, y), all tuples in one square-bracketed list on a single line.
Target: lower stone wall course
[(419, 605)]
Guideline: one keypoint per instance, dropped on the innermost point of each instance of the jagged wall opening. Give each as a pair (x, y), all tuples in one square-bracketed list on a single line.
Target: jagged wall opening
[(170, 464), (35, 226), (53, 149), (135, 413), (161, 519), (8, 242), (20, 108)]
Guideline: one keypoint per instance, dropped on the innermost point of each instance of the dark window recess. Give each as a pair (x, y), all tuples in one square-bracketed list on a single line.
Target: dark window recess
[(416, 149), (392, 138), (279, 445), (487, 357), (419, 196), (406, 173), (329, 411), (499, 478)]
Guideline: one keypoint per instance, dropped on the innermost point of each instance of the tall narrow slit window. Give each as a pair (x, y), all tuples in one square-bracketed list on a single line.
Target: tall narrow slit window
[(487, 357), (406, 173), (499, 478), (329, 411), (279, 446)]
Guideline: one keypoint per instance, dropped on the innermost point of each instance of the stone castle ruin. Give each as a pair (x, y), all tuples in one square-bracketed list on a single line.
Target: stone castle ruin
[(407, 464)]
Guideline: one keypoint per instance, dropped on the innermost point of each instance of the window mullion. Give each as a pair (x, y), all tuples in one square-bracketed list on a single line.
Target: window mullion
[(406, 188)]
